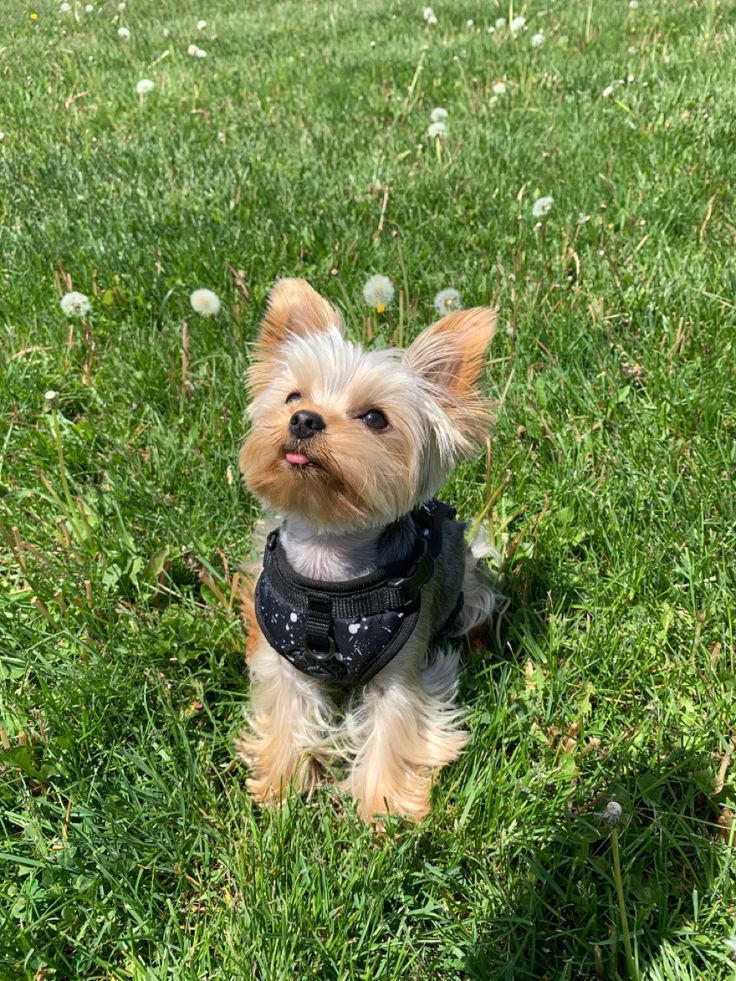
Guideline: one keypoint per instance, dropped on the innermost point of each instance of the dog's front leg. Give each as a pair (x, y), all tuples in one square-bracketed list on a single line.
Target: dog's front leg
[(404, 729), (288, 722)]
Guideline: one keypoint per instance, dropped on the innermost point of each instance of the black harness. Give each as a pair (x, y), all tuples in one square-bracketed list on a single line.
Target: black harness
[(345, 632)]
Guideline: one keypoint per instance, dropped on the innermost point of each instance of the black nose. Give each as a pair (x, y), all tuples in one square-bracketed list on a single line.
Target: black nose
[(304, 424)]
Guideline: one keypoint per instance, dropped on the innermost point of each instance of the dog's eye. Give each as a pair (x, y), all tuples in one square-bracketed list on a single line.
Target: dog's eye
[(293, 397), (375, 419)]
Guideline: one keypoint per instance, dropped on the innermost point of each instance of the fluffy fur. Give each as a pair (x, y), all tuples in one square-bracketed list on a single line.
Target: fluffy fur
[(344, 515)]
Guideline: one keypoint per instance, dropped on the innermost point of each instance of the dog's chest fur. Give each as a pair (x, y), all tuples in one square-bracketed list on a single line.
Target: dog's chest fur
[(335, 557)]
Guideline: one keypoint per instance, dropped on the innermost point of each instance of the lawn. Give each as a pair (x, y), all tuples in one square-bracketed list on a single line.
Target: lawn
[(297, 145)]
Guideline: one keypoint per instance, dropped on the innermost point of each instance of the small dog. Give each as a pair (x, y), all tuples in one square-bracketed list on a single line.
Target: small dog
[(367, 576)]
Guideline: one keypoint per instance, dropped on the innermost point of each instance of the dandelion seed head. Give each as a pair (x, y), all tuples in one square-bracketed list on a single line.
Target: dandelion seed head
[(537, 40), (427, 13), (611, 814), (500, 23), (437, 131), (88, 8), (196, 52), (517, 24), (499, 88), (201, 24), (205, 302), (143, 86), (65, 8), (542, 206), (124, 34), (633, 4), (468, 23), (448, 300), (75, 304), (608, 91), (438, 115), (378, 292), (50, 395), (432, 20)]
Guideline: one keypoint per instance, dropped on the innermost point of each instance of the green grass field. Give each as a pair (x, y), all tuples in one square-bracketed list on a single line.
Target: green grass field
[(298, 146)]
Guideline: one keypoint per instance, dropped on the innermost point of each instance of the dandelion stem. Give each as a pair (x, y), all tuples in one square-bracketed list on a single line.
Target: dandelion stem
[(630, 963), (62, 476)]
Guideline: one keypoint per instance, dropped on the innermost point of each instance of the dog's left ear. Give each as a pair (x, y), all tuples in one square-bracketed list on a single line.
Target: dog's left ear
[(451, 356), (294, 309)]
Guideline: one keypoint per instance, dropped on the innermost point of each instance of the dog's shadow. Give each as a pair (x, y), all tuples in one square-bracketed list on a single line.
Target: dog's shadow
[(553, 911)]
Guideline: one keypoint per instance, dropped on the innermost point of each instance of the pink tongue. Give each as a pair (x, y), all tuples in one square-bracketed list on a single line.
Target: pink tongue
[(297, 458)]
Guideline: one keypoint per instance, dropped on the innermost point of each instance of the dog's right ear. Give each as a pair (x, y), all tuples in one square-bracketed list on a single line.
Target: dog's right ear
[(293, 309)]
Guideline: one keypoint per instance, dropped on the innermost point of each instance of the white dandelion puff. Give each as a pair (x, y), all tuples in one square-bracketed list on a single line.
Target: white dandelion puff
[(448, 300), (437, 131), (432, 20), (498, 88), (124, 34), (537, 40), (611, 814), (517, 24), (201, 24), (427, 13), (731, 944), (75, 304), (378, 292), (633, 4), (542, 206), (205, 302), (196, 52), (468, 23), (50, 395), (65, 8), (88, 8), (121, 5), (144, 86), (500, 23), (438, 115), (608, 91)]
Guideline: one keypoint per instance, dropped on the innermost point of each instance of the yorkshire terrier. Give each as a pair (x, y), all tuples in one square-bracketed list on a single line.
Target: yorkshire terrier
[(367, 578)]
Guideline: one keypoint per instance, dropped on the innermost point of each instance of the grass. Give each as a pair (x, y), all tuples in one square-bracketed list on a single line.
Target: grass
[(128, 845)]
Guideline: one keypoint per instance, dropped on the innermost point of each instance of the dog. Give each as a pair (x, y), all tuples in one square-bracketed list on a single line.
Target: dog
[(367, 580)]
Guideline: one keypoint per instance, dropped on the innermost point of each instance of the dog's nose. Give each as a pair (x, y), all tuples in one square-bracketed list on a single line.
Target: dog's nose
[(304, 424)]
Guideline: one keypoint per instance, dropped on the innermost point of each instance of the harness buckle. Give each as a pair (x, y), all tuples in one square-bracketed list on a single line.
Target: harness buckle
[(317, 642), (321, 656), (418, 575)]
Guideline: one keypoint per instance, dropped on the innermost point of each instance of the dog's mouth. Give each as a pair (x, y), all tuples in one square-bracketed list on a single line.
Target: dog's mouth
[(297, 459)]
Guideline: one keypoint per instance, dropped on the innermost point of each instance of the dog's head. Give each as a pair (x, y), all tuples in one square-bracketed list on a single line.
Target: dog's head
[(348, 438)]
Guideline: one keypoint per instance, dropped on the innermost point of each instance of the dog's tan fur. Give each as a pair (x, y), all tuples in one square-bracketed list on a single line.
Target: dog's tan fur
[(400, 729)]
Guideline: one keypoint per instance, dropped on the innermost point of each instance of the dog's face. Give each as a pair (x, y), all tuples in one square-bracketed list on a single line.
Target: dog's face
[(348, 438)]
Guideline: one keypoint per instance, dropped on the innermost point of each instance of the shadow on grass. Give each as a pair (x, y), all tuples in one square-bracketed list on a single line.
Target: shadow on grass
[(557, 914)]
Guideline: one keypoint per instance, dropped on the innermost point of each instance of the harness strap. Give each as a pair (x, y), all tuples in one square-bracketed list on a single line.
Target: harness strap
[(395, 587), (384, 589)]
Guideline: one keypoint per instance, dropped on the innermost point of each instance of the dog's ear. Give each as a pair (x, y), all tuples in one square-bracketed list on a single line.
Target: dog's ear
[(293, 309), (451, 355)]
